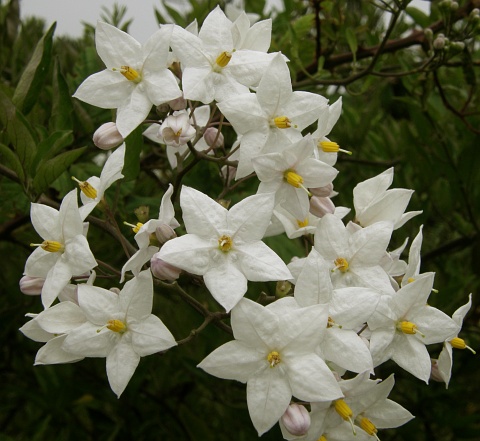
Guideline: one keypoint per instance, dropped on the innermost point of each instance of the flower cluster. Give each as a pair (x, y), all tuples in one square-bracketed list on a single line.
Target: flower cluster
[(307, 358)]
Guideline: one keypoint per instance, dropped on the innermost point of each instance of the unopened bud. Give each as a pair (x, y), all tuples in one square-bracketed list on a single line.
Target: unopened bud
[(228, 173), (296, 419), (457, 46), (107, 136), (213, 137), (454, 6), (283, 288), (179, 103), (428, 33), (31, 286), (162, 110), (435, 371), (115, 290), (163, 270), (322, 192), (321, 206), (164, 233), (439, 42)]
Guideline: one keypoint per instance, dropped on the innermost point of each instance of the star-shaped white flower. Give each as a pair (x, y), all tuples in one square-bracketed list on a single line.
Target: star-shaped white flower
[(64, 252), (120, 327), (93, 189), (224, 246), (274, 353), (136, 76)]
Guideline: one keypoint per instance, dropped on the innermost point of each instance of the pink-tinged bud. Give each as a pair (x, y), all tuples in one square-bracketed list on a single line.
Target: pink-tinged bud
[(115, 290), (228, 173), (179, 103), (435, 372), (213, 137), (163, 270), (32, 286), (322, 192), (321, 206), (296, 419), (164, 233), (107, 136)]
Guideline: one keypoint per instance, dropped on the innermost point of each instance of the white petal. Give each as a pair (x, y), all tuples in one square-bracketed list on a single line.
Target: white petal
[(61, 318), (100, 305), (133, 111), (87, 342), (45, 221), (57, 279), (136, 297), (52, 353), (412, 355), (150, 336)]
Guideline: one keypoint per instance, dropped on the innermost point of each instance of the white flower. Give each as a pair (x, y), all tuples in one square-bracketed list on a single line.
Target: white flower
[(136, 76), (166, 217), (119, 327), (373, 202), (64, 252), (404, 323), (93, 189), (273, 352), (445, 360), (224, 246)]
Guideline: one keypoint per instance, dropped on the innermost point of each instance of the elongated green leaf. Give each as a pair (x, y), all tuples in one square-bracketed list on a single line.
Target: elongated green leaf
[(50, 146), (418, 16), (62, 106), (134, 144), (31, 81), (10, 159), (352, 42), (23, 139), (50, 170)]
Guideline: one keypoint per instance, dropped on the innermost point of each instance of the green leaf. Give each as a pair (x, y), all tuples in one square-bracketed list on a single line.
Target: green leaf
[(134, 144), (62, 107), (50, 170), (352, 42), (31, 81), (9, 158), (50, 146), (418, 16)]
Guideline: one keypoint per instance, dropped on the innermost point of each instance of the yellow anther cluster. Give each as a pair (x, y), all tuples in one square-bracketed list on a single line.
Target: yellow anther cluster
[(408, 327), (293, 178), (52, 246), (116, 326), (341, 264), (87, 189), (368, 426), (225, 243), (129, 73), (273, 358), (302, 224), (322, 438), (223, 59), (332, 147), (343, 409), (282, 122)]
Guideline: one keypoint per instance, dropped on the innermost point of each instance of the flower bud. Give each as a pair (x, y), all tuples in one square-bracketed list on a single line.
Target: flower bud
[(296, 419), (321, 206), (439, 42), (31, 286), (454, 6), (213, 137), (322, 192), (179, 103), (428, 33), (107, 136), (163, 270), (435, 372), (283, 288), (228, 173), (115, 290), (164, 233), (162, 110)]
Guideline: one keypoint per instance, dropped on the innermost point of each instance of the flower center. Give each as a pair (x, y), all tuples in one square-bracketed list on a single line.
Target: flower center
[(135, 228), (52, 246), (129, 73), (459, 343), (332, 147), (282, 122), (273, 358), (225, 243), (341, 264), (87, 189), (116, 326), (302, 224), (223, 59), (408, 328), (322, 438), (293, 178)]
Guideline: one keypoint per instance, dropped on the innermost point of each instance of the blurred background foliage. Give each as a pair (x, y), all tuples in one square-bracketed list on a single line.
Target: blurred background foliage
[(409, 83)]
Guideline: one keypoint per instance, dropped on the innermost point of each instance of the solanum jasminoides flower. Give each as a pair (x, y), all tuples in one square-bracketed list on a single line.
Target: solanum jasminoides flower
[(64, 251), (136, 77), (224, 246)]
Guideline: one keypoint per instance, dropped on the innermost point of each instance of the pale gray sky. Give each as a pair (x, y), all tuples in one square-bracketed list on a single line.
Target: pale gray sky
[(69, 14)]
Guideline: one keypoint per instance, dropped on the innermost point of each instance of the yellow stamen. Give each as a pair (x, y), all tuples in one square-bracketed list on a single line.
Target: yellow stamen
[(331, 323), (302, 224), (135, 228), (368, 426), (408, 328), (273, 358), (116, 326), (332, 147), (411, 279), (225, 243), (282, 122), (343, 409), (341, 264), (129, 73), (87, 189), (293, 178), (459, 343), (223, 59), (322, 438), (52, 246)]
